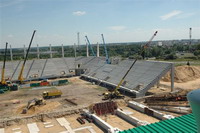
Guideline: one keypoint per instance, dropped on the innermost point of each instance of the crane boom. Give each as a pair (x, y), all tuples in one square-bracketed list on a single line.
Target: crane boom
[(116, 93), (90, 46), (107, 57), (20, 77), (147, 44), (3, 82), (122, 80)]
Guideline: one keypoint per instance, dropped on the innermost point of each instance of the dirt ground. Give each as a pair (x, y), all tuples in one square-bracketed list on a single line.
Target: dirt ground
[(56, 128), (79, 91), (184, 74), (185, 77)]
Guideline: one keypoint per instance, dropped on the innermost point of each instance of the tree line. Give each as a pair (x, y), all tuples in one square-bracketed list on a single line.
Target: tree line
[(121, 50)]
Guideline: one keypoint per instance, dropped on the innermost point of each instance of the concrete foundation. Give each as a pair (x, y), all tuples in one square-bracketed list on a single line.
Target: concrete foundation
[(132, 120), (145, 109)]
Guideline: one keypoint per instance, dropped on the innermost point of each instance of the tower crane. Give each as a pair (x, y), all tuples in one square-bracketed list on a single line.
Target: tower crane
[(107, 56), (20, 77), (90, 46)]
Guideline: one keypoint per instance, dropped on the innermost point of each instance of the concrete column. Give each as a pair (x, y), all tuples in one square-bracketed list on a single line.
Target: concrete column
[(87, 51), (63, 53), (78, 39), (172, 77), (11, 55), (75, 50), (38, 52), (50, 51), (24, 51), (158, 84), (97, 49)]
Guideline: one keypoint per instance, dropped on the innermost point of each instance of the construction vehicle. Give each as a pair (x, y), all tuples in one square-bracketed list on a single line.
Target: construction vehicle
[(6, 85), (20, 77), (51, 94), (147, 45), (116, 94), (3, 81), (90, 46), (107, 57), (33, 102)]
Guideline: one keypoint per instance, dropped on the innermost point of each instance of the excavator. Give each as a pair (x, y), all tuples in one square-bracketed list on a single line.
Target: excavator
[(115, 94), (33, 102), (20, 77)]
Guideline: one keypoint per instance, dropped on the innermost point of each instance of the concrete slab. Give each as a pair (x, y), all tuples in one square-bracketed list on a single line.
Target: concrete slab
[(2, 130), (63, 122), (47, 126), (45, 123), (18, 132), (33, 128), (16, 129)]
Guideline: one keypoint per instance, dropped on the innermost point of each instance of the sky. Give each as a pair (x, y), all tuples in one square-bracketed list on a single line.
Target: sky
[(58, 21)]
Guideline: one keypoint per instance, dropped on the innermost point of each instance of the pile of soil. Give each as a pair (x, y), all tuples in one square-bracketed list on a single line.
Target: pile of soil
[(39, 109), (184, 74)]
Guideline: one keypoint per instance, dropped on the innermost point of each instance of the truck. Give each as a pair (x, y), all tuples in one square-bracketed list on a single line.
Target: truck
[(51, 94)]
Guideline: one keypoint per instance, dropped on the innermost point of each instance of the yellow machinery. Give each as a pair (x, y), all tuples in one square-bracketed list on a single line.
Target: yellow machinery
[(33, 102), (20, 77), (6, 85), (51, 94), (115, 93), (3, 81)]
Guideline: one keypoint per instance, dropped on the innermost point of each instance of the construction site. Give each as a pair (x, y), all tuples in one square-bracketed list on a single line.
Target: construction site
[(95, 94)]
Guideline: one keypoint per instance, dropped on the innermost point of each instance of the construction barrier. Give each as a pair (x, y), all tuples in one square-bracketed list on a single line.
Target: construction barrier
[(60, 82), (44, 83), (4, 88), (54, 83), (34, 84)]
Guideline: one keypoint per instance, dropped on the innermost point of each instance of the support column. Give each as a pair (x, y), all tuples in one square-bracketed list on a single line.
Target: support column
[(172, 77), (87, 51), (158, 84), (78, 39), (50, 51), (97, 49), (38, 52), (11, 55), (63, 53), (24, 51), (75, 50)]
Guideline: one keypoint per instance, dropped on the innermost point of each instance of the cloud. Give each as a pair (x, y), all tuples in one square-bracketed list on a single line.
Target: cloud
[(6, 3), (117, 28), (10, 36), (79, 13), (170, 15), (185, 15)]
